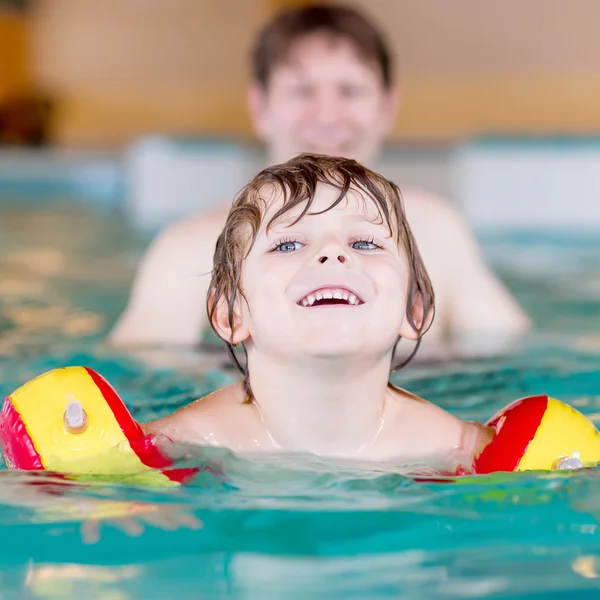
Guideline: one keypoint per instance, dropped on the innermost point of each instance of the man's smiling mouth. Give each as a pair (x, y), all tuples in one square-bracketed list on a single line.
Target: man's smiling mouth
[(330, 296)]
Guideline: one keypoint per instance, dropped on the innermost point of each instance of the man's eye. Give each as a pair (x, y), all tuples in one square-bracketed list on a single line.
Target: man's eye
[(353, 91), (301, 91)]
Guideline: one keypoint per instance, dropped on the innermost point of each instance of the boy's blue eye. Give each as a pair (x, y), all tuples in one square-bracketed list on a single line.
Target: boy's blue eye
[(364, 245), (289, 246)]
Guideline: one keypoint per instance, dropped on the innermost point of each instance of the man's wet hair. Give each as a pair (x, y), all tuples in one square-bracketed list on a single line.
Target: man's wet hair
[(275, 40)]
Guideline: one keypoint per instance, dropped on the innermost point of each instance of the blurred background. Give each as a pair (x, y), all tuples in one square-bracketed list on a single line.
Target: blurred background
[(118, 69), (111, 88)]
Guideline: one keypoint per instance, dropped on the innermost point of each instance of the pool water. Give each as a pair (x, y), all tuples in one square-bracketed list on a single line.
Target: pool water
[(295, 527)]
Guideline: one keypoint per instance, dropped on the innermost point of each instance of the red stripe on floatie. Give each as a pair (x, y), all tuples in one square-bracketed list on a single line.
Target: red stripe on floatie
[(142, 445), (129, 426), (17, 446), (515, 427)]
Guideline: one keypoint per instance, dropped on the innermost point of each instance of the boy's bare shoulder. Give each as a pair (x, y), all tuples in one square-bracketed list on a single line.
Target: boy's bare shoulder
[(412, 406), (211, 420), (222, 400), (433, 427)]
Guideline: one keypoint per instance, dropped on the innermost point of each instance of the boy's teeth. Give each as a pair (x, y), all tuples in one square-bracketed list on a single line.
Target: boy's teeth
[(331, 294)]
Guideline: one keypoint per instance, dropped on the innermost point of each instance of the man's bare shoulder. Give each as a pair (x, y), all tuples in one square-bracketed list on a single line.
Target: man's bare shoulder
[(194, 228), (170, 287), (185, 243), (439, 225), (427, 211)]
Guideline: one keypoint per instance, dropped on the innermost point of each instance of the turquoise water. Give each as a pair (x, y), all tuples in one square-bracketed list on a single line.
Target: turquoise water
[(298, 527)]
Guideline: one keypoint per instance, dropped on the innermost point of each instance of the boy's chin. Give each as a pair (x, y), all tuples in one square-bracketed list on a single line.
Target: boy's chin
[(339, 349)]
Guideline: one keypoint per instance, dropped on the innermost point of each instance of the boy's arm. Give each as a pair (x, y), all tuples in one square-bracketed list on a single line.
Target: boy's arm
[(167, 305)]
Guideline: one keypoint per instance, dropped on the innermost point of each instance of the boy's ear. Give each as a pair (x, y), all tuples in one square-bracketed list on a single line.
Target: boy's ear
[(420, 319), (235, 332)]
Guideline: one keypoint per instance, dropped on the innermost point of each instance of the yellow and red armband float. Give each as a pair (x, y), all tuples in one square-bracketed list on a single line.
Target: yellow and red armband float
[(539, 433), (72, 421)]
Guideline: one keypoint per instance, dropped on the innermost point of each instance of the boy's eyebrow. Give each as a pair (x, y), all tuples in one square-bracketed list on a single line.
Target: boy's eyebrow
[(378, 221), (363, 217), (283, 221)]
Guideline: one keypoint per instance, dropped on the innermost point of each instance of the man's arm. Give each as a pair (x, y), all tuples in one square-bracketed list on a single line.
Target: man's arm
[(481, 310), (475, 313), (167, 305)]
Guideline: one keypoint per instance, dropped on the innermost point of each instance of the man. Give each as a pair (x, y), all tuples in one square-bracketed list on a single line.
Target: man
[(322, 83)]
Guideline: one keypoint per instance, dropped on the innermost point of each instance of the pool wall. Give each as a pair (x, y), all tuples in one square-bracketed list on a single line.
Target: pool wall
[(499, 184)]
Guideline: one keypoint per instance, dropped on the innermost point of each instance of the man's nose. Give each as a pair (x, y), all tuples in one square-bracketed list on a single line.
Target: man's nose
[(328, 109)]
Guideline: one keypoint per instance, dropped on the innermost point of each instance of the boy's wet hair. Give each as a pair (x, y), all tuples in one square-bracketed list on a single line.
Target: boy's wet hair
[(274, 42), (296, 183)]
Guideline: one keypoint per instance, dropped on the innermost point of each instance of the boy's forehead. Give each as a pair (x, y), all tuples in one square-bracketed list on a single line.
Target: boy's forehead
[(355, 204)]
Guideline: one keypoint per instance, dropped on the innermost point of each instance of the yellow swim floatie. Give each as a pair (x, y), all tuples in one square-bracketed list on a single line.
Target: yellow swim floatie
[(72, 421)]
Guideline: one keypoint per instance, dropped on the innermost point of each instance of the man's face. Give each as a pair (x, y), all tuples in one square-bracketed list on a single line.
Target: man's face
[(323, 99)]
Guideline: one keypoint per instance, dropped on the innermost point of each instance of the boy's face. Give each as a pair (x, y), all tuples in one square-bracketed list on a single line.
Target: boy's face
[(324, 99), (333, 284)]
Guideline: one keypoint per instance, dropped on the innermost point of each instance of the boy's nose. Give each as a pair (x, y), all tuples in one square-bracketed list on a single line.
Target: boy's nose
[(341, 258)]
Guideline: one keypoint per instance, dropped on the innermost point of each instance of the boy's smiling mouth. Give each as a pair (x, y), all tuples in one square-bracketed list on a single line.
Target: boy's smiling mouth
[(330, 296)]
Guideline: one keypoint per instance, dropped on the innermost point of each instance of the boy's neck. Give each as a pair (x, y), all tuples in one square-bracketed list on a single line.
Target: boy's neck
[(333, 408)]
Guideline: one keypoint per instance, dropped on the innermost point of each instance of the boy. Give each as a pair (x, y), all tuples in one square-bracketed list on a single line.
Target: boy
[(318, 277)]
